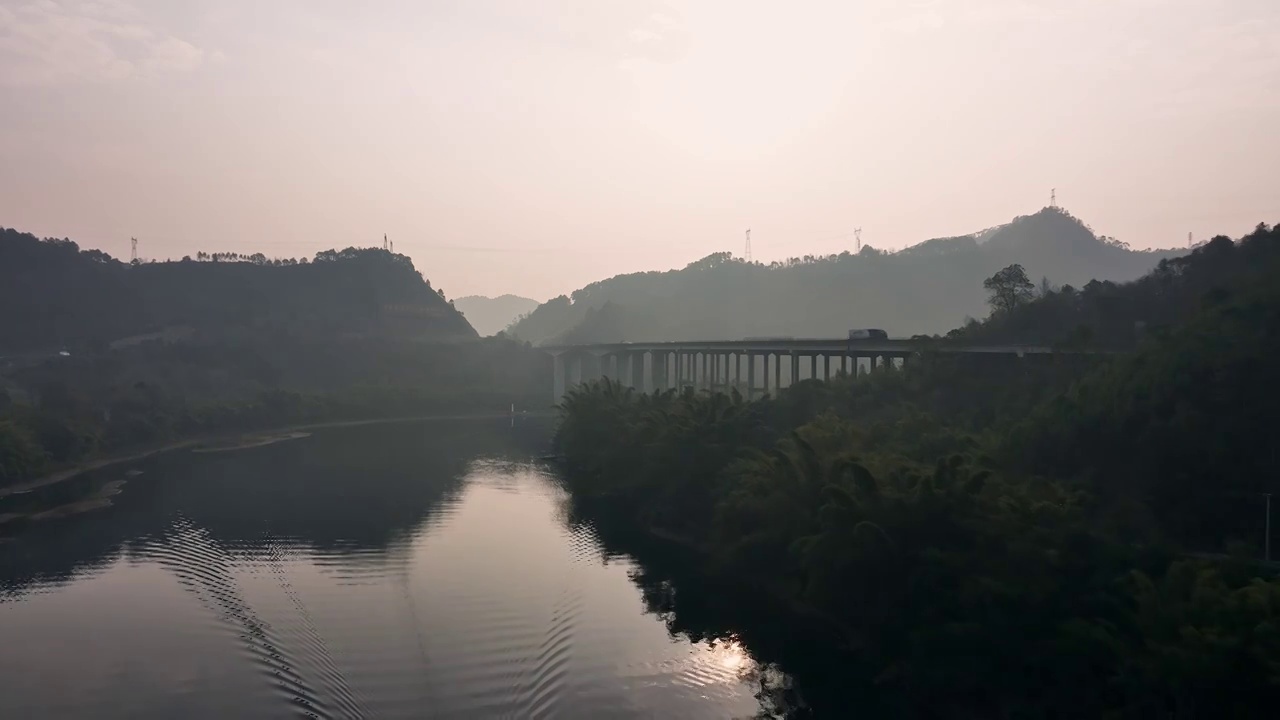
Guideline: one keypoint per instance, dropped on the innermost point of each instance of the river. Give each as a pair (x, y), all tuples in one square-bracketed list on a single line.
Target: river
[(423, 569)]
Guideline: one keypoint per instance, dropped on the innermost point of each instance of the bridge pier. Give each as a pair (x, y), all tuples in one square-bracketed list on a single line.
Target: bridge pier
[(718, 365), (559, 380), (638, 377)]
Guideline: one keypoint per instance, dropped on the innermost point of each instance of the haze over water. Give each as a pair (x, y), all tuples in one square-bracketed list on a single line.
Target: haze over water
[(408, 570)]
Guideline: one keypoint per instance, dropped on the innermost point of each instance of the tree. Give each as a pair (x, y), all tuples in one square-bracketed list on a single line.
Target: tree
[(1046, 288), (1009, 288)]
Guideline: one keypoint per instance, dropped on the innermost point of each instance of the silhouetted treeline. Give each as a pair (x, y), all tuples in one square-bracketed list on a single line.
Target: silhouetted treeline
[(54, 295), (99, 356), (997, 539), (71, 409), (926, 289), (1107, 314)]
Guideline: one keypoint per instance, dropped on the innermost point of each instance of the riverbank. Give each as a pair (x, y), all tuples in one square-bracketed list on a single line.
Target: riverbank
[(949, 572), (222, 442), (800, 610)]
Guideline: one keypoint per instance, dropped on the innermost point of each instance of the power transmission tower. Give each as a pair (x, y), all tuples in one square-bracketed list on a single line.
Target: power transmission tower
[(857, 239), (1188, 239), (747, 254), (1053, 197), (133, 250), (384, 241)]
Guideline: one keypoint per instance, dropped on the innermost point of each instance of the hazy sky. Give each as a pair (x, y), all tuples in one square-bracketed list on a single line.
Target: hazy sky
[(532, 147)]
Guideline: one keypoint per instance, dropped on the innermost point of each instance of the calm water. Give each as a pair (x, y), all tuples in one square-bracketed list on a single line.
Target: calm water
[(413, 570)]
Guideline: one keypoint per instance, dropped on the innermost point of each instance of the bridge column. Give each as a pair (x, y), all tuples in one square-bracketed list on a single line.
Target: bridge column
[(751, 376), (795, 369), (637, 370), (592, 368), (575, 369), (657, 370), (826, 368), (706, 369), (559, 378)]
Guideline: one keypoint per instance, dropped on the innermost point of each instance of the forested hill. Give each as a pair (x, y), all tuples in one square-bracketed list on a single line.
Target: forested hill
[(55, 295), (927, 288), (1108, 314)]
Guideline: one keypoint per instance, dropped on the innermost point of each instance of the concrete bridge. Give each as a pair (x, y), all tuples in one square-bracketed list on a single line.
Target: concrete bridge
[(755, 367)]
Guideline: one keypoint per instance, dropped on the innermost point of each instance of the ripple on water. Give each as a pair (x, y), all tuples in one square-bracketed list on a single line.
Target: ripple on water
[(291, 655), (491, 606)]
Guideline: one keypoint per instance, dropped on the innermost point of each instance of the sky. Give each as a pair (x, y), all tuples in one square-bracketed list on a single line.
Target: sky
[(533, 147)]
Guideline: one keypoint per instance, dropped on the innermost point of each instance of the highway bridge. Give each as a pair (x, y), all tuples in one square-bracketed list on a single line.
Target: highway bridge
[(754, 366)]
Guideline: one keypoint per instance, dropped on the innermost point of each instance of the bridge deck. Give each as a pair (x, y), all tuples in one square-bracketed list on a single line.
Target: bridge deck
[(805, 346)]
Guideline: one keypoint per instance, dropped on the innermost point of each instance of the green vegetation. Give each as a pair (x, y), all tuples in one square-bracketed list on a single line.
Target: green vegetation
[(157, 352), (999, 540), (53, 295), (927, 288)]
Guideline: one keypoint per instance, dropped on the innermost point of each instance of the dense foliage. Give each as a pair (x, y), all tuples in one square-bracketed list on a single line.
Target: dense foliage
[(992, 541), (75, 408), (99, 356), (54, 295), (1107, 314), (927, 288)]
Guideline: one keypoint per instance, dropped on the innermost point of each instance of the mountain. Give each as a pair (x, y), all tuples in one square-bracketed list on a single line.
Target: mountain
[(54, 295), (928, 288), (490, 316)]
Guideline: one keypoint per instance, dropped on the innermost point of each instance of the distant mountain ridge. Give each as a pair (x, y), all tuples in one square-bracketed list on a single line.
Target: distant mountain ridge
[(490, 316), (54, 295), (927, 288)]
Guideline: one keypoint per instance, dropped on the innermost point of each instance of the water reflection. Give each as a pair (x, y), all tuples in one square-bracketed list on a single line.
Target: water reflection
[(398, 571), (793, 669)]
